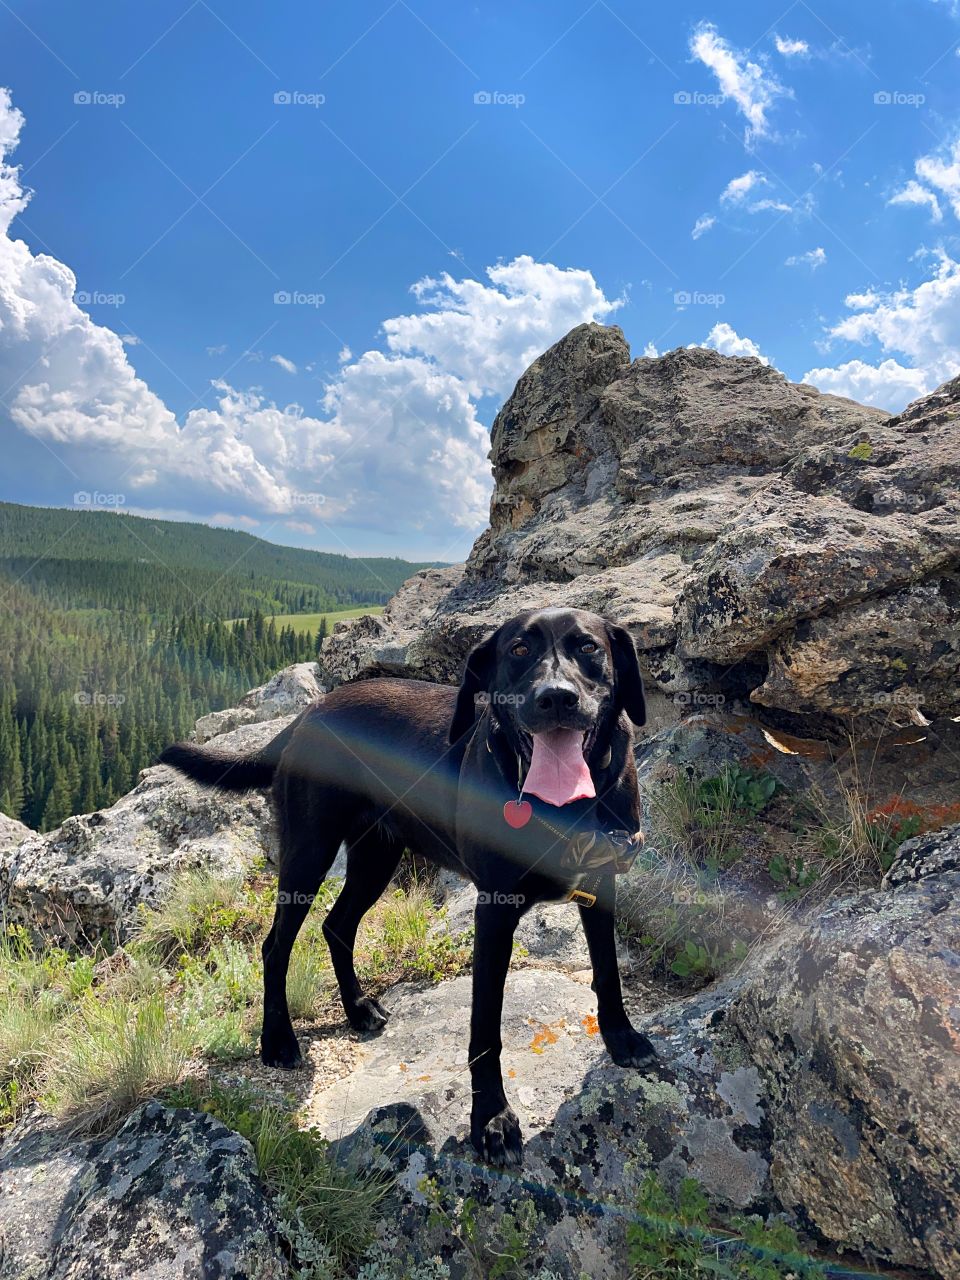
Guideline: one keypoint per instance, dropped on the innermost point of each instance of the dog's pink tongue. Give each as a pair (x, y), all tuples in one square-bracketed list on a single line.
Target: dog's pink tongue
[(558, 772)]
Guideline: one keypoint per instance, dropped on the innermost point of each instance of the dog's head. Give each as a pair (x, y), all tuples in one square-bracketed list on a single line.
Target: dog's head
[(556, 676)]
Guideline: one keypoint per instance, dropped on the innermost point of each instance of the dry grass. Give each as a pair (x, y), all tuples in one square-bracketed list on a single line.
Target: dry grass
[(111, 1055), (93, 1035)]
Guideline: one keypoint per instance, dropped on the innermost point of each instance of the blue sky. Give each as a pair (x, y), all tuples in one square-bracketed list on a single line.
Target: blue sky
[(279, 264)]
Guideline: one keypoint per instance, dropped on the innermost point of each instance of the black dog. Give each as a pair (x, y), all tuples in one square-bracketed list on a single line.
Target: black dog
[(502, 797)]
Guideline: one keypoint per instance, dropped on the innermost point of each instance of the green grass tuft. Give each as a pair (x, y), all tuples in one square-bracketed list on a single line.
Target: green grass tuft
[(327, 1208), (111, 1055)]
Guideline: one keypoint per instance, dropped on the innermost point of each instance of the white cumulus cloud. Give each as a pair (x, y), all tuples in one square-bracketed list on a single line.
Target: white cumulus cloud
[(396, 443), (702, 225), (813, 258), (753, 89), (914, 193), (770, 206), (942, 172), (791, 48), (725, 339), (737, 188), (888, 385), (286, 365), (917, 330)]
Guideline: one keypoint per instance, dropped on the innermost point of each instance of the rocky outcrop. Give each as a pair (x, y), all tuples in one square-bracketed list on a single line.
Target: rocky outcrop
[(592, 1130), (823, 1080), (756, 536), (846, 566), (173, 1196), (286, 693), (92, 875), (387, 644)]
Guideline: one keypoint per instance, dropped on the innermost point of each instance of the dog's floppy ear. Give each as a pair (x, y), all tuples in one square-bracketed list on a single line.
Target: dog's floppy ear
[(629, 690), (477, 676)]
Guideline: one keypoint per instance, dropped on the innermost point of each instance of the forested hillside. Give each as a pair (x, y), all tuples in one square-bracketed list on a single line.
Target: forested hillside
[(85, 703), (102, 559), (115, 636)]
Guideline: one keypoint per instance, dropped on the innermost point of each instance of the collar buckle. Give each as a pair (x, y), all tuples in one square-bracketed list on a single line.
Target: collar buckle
[(582, 898)]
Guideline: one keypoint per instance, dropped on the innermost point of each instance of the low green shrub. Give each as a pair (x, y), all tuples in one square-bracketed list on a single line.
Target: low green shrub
[(671, 1238)]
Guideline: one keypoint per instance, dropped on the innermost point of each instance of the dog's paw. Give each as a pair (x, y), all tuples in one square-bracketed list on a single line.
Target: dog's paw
[(498, 1140), (281, 1051), (628, 1048), (367, 1016)]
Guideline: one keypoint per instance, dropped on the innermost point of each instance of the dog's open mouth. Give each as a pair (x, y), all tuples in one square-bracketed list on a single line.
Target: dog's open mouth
[(558, 773)]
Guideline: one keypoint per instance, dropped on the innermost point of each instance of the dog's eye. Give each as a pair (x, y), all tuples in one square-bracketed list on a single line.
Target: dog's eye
[(589, 646), (520, 650)]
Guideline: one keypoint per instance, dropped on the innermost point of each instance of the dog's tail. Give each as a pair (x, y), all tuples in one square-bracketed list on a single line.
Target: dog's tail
[(225, 772)]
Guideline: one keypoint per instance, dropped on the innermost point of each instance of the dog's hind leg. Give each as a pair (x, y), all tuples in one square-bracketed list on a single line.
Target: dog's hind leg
[(371, 861), (305, 859)]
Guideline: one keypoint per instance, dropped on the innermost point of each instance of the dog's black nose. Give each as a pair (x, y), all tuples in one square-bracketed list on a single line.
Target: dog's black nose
[(556, 697)]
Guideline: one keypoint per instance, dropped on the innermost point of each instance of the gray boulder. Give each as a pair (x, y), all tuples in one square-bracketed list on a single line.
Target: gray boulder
[(11, 833), (93, 874), (387, 643), (173, 1196), (856, 1035), (592, 1130), (286, 693)]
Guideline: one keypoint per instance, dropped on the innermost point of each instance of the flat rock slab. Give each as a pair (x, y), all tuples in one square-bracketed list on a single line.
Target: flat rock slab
[(550, 1041)]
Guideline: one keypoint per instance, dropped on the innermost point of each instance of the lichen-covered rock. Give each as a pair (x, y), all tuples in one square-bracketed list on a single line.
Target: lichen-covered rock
[(856, 1035), (592, 1130), (381, 644), (845, 566), (91, 876), (173, 1196), (286, 693)]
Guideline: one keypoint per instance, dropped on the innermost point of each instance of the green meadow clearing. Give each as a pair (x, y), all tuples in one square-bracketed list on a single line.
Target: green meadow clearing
[(309, 623)]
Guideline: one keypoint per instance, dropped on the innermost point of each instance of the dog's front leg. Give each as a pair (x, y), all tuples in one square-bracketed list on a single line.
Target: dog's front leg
[(626, 1046), (494, 1129)]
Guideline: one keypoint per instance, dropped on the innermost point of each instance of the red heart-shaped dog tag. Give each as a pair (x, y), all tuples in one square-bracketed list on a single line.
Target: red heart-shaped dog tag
[(517, 813)]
